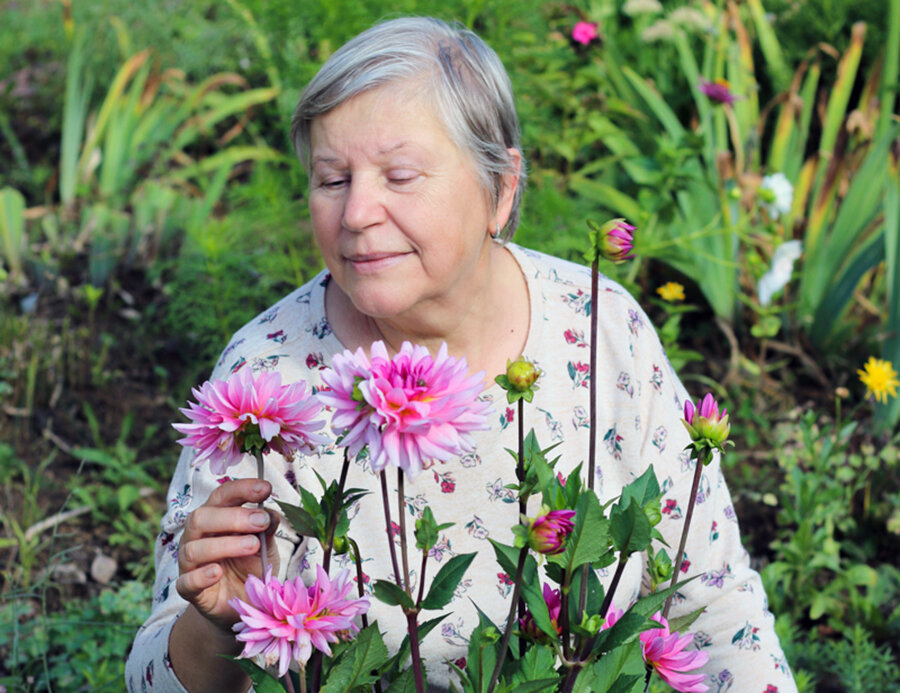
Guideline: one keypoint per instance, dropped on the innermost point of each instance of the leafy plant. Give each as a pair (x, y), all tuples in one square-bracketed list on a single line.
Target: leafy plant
[(46, 652)]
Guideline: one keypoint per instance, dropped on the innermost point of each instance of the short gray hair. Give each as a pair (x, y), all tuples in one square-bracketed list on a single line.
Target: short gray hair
[(469, 89)]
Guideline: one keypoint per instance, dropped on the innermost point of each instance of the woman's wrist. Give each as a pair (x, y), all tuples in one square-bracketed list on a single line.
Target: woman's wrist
[(195, 646)]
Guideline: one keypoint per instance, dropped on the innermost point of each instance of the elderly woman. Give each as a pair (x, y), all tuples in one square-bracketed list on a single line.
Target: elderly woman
[(411, 140)]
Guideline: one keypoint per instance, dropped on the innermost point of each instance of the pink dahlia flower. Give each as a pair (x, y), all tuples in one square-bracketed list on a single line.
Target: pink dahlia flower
[(245, 414), (284, 621), (664, 651), (554, 606), (612, 616), (717, 91), (584, 32), (705, 421), (409, 410), (547, 533)]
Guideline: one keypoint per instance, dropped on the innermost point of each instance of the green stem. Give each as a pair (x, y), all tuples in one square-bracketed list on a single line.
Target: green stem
[(698, 471)]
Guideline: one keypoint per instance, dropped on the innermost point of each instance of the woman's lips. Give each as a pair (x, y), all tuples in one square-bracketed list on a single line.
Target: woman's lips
[(374, 262)]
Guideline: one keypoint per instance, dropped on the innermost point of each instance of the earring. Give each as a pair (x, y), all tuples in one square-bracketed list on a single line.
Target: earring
[(496, 234)]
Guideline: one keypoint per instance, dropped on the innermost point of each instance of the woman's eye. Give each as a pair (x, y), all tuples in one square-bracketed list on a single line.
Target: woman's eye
[(333, 182), (401, 177)]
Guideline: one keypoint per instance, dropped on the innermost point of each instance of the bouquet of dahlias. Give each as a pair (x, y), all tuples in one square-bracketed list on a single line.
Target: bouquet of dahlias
[(406, 412)]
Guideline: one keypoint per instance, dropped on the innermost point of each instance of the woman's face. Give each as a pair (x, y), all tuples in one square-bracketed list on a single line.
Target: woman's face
[(397, 210)]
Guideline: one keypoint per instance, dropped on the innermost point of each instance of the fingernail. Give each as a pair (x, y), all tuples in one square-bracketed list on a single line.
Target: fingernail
[(259, 487), (249, 542), (210, 572), (259, 519)]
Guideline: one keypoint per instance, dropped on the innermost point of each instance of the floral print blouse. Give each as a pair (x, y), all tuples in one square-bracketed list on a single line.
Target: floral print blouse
[(640, 403)]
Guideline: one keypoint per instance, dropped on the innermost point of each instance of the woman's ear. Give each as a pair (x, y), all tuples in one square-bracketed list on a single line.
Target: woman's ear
[(510, 185)]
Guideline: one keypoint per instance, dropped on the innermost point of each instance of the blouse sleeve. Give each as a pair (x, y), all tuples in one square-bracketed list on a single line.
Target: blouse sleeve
[(736, 629), (149, 668)]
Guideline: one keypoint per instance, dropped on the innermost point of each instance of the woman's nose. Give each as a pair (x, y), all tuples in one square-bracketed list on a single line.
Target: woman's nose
[(363, 205)]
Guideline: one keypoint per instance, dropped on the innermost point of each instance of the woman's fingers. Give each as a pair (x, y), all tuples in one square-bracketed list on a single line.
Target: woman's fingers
[(191, 584), (239, 491), (213, 549), (211, 520)]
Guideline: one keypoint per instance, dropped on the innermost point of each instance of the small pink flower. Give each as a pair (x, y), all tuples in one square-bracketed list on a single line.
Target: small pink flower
[(584, 32), (409, 410), (717, 91), (705, 422), (554, 606), (245, 414), (547, 533), (664, 651), (284, 621)]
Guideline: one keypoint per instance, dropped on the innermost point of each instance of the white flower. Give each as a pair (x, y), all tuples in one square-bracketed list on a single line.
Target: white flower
[(635, 7), (691, 19), (777, 194), (660, 30), (779, 274)]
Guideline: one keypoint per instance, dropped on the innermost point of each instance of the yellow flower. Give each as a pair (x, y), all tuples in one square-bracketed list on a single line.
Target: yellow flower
[(671, 291), (880, 379)]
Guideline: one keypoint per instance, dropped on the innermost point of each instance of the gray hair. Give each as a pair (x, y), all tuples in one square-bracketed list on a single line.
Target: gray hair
[(464, 78)]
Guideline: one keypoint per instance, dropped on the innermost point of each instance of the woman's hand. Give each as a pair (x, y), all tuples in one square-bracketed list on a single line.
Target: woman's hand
[(220, 549)]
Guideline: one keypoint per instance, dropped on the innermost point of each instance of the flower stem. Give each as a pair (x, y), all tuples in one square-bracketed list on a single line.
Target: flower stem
[(401, 503), (387, 522), (412, 625), (585, 652), (335, 512), (698, 471), (523, 502), (360, 584), (263, 539), (288, 684), (510, 620), (592, 409), (412, 628), (302, 679)]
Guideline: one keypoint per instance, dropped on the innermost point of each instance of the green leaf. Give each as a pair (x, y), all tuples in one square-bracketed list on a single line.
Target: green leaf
[(630, 529), (392, 595), (302, 522), (589, 540), (482, 653), (536, 668), (445, 582), (620, 670), (683, 623), (357, 663), (263, 681), (644, 489), (405, 683)]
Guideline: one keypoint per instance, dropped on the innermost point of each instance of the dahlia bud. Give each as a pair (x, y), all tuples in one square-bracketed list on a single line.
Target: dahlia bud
[(547, 533), (522, 374), (613, 241), (707, 427)]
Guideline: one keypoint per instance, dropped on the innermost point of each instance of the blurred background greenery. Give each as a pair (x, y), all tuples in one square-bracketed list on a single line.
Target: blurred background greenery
[(150, 204)]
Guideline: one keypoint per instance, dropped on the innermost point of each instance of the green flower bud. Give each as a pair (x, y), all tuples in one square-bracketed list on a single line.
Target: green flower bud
[(521, 374)]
